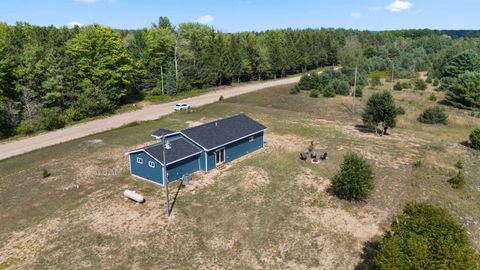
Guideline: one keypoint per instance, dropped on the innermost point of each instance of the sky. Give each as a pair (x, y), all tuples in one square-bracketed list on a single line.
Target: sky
[(249, 15)]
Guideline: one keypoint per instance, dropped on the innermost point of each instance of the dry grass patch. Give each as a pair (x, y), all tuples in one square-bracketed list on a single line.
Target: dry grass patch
[(254, 178), (289, 143)]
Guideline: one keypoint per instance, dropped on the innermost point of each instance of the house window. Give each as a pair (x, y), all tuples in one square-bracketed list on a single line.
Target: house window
[(250, 139), (139, 160), (151, 164)]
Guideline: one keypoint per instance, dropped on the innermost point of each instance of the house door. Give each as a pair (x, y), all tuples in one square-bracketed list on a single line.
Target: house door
[(220, 156)]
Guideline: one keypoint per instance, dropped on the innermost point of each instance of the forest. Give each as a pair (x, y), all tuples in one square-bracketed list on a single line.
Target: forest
[(51, 76)]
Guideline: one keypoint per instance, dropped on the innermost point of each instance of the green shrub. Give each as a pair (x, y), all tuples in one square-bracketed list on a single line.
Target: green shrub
[(425, 237), (314, 93), (342, 88), (45, 173), (406, 85), (295, 89), (221, 98), (359, 91), (157, 91), (310, 81), (400, 110), (71, 114), (436, 82), (399, 86), (311, 146), (428, 80), (28, 126), (419, 84), (460, 164), (355, 180), (458, 181), (433, 115), (432, 97), (329, 91), (418, 163), (475, 138), (52, 118), (375, 81)]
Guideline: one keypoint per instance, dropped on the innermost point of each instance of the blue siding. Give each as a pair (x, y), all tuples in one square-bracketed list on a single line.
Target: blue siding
[(237, 149), (243, 147), (179, 169), (202, 161), (143, 170), (192, 164), (211, 160)]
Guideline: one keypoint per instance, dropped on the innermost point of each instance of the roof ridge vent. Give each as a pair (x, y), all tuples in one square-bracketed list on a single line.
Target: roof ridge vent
[(216, 124)]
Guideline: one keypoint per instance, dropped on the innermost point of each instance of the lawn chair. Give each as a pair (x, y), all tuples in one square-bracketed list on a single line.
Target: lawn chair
[(314, 157), (303, 156), (324, 156)]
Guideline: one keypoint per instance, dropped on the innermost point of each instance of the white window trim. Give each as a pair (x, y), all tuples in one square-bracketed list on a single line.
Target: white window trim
[(139, 160), (224, 155), (251, 139)]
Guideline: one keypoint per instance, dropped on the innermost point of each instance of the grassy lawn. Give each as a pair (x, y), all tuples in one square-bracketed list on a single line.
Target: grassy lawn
[(267, 210)]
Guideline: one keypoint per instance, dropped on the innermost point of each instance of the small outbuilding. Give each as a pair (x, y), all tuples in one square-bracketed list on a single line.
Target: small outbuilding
[(200, 148)]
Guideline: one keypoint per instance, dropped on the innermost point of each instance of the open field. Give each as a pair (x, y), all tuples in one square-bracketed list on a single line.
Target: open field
[(267, 210)]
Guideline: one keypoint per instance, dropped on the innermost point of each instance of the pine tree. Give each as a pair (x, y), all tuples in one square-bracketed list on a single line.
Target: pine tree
[(170, 84), (355, 180)]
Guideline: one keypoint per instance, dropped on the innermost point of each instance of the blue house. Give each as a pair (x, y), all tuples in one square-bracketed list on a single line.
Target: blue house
[(200, 148)]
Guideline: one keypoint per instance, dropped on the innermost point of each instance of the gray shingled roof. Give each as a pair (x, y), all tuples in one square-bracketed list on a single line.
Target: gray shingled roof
[(162, 131), (180, 148), (223, 131)]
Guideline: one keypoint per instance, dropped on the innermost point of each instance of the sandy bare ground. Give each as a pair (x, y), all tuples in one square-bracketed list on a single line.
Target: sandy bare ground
[(150, 112)]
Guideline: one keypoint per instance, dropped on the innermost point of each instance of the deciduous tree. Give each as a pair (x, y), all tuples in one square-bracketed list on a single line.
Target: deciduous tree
[(380, 109)]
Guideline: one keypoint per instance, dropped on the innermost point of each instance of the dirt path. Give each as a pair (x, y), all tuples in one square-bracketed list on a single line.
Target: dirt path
[(149, 112)]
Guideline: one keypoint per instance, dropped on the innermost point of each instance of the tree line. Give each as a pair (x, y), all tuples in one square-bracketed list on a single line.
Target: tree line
[(52, 76)]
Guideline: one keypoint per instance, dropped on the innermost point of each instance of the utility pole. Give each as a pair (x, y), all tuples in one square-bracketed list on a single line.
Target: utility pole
[(393, 70), (164, 174), (354, 88), (176, 62), (161, 72)]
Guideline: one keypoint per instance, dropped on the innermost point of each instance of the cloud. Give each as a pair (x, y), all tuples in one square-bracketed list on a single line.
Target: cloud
[(86, 1), (205, 19), (73, 24), (356, 15), (374, 8), (399, 5)]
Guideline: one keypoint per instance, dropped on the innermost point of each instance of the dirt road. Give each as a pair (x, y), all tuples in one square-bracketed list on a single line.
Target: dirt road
[(149, 112)]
